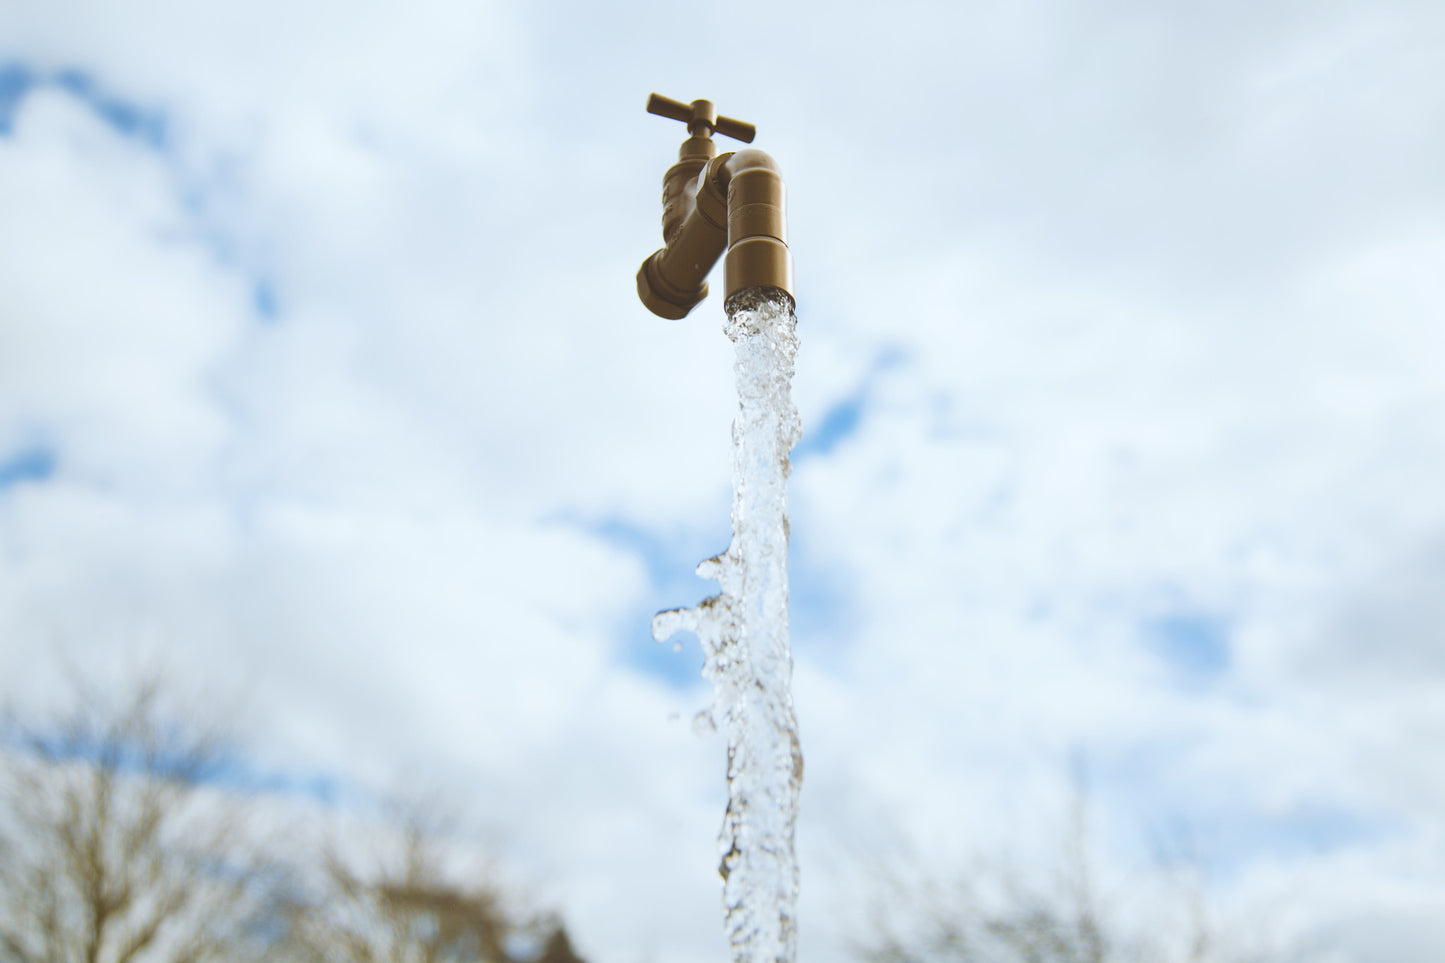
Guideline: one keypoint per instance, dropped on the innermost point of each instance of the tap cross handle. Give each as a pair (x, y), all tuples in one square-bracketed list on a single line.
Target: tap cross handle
[(701, 118)]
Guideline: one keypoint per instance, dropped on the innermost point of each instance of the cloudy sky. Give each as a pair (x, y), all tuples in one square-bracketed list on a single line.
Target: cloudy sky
[(322, 375)]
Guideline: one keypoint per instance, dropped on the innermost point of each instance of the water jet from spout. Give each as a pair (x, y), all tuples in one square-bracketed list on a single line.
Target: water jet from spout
[(744, 634)]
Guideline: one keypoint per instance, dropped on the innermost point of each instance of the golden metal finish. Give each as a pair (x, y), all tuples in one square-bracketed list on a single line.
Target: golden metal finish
[(757, 225), (699, 113), (733, 201)]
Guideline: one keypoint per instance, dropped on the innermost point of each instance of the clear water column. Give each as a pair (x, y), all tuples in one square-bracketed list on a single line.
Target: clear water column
[(744, 634)]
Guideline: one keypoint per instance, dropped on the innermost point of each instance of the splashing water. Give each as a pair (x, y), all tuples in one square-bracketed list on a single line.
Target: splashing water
[(744, 633)]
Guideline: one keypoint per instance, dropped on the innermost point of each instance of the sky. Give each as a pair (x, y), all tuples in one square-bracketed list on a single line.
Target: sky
[(323, 379)]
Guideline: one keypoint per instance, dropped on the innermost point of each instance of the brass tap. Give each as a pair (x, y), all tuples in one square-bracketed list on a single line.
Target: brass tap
[(710, 202)]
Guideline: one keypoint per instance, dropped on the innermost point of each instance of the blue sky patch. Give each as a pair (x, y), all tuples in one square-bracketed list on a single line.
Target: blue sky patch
[(126, 118), (1222, 828), (15, 82), (844, 417), (670, 562), (1229, 839), (264, 301), (1195, 645), (224, 770), (239, 775), (838, 423), (33, 464)]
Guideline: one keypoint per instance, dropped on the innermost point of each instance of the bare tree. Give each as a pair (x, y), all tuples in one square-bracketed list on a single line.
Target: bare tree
[(115, 849), (1000, 918), (125, 839), (954, 924), (406, 908)]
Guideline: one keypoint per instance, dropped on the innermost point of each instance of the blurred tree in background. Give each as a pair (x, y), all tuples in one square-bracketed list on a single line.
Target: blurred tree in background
[(407, 908), (1033, 925), (113, 848), (999, 917), (124, 838)]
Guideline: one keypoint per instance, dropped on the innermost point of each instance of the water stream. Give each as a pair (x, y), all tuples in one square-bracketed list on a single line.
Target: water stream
[(744, 634)]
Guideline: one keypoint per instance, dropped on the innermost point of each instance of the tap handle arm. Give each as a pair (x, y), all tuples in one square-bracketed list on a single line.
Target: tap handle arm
[(699, 115)]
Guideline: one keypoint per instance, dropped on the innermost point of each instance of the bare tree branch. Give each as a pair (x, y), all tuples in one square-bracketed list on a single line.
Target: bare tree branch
[(115, 851), (407, 909), (1065, 922)]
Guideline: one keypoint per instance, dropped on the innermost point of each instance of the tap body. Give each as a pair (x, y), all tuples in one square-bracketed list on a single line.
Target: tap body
[(711, 203)]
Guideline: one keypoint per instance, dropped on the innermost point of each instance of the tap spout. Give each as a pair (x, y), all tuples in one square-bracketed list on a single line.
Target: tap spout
[(758, 253), (734, 202)]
